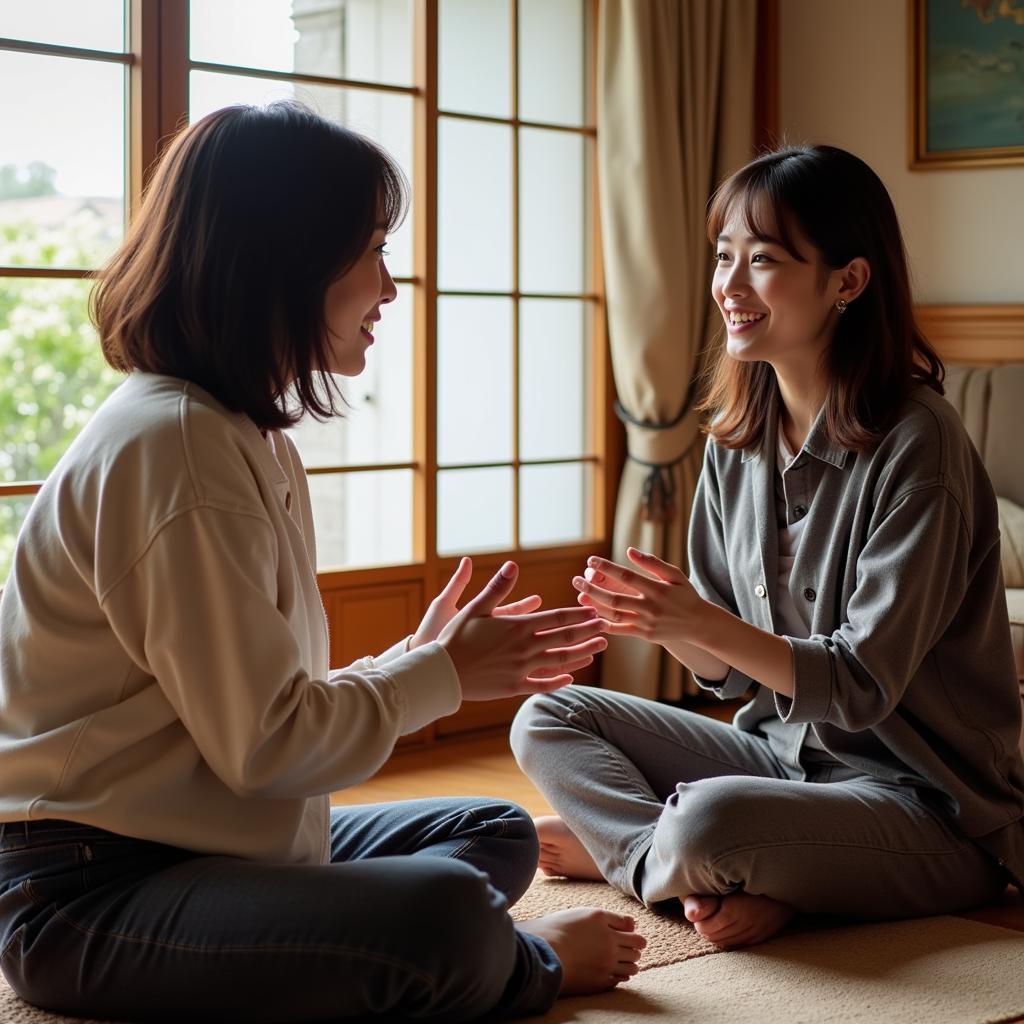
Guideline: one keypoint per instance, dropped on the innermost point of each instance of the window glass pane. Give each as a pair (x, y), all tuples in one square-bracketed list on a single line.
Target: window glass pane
[(553, 199), (364, 40), (378, 426), (362, 518), (52, 372), (96, 25), (474, 206), (384, 117), (61, 160), (474, 54), (474, 386), (553, 504), (474, 510), (553, 378), (551, 61)]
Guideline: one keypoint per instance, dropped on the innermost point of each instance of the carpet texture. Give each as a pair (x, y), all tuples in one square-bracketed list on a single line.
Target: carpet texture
[(937, 970), (669, 939), (14, 1011)]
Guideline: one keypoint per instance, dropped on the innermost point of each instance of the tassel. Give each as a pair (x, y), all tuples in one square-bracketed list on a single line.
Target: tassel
[(657, 499)]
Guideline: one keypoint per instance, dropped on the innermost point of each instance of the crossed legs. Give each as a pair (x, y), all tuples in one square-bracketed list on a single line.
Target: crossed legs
[(669, 805)]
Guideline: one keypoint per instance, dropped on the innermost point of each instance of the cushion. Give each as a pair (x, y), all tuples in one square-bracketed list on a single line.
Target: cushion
[(989, 400), (1011, 526), (1015, 603)]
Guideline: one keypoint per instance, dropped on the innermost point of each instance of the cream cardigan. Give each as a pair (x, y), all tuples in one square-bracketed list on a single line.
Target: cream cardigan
[(163, 646)]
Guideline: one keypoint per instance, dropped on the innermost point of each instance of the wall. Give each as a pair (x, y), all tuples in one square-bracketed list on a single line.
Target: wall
[(843, 80)]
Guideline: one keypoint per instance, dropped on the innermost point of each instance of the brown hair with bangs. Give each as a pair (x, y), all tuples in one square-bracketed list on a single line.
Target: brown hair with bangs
[(877, 354), (251, 214)]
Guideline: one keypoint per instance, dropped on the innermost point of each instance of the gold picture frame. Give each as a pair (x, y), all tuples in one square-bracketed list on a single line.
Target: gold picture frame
[(966, 87)]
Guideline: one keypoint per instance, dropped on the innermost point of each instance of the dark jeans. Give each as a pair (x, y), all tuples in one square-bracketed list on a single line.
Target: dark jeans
[(409, 920)]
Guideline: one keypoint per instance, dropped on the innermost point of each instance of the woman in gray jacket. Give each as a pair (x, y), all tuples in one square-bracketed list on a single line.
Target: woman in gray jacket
[(170, 724), (844, 570)]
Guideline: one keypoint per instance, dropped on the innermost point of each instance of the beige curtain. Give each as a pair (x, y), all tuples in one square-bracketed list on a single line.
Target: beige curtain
[(675, 116)]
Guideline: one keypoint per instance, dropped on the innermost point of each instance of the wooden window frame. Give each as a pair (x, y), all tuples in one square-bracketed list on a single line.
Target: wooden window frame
[(158, 65)]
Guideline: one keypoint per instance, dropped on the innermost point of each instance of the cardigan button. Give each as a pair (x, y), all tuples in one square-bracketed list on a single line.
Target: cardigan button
[(799, 511), (810, 594), (759, 590)]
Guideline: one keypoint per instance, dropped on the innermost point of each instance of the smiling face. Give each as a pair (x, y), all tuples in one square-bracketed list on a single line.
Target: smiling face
[(352, 308), (777, 306)]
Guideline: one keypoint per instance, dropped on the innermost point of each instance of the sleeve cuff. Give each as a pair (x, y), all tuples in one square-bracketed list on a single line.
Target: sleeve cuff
[(812, 683), (427, 684), (735, 684), (396, 651)]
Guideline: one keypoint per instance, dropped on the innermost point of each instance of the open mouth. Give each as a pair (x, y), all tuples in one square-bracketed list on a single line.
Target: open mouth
[(367, 327), (740, 322)]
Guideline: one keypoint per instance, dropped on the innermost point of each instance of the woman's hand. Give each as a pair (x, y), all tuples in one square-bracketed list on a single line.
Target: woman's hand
[(658, 604), (445, 606), (512, 654)]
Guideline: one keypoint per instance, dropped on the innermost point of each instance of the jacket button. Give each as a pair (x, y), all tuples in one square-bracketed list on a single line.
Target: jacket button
[(810, 594), (800, 511), (759, 590)]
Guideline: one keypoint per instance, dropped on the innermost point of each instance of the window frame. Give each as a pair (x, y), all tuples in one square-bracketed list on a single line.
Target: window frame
[(157, 63)]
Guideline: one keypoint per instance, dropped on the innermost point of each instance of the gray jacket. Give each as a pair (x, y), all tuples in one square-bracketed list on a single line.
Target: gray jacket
[(908, 672)]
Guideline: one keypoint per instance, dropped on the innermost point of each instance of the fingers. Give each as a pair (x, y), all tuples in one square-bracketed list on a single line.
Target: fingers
[(457, 584), (543, 684), (561, 657), (604, 580), (655, 566), (554, 618), (608, 598), (622, 575), (498, 587), (568, 636), (570, 666), (521, 607)]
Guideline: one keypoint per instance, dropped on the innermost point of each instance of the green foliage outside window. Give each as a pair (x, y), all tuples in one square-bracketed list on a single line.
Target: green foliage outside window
[(52, 372)]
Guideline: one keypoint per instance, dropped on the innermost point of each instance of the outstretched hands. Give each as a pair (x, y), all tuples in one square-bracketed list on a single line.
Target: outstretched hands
[(507, 650), (443, 608), (655, 602)]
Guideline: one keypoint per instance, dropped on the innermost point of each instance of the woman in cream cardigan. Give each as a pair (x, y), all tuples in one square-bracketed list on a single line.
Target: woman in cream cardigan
[(170, 728)]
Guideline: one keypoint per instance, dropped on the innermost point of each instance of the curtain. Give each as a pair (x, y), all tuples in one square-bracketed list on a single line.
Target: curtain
[(675, 116)]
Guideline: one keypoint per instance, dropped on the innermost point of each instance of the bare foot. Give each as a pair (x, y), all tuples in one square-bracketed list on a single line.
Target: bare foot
[(561, 853), (597, 949), (739, 919)]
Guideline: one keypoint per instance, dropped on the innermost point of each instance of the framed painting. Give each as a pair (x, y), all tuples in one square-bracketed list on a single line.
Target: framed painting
[(966, 83)]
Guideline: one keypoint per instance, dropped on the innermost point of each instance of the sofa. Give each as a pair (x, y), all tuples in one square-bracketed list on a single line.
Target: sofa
[(990, 401)]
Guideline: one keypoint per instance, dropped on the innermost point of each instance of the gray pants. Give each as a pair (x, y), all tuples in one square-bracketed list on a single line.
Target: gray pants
[(669, 803)]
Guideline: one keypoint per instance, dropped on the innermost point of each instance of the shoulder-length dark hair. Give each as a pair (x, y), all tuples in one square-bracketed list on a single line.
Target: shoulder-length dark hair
[(877, 354), (251, 214)]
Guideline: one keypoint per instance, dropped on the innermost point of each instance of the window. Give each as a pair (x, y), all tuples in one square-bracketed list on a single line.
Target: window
[(479, 424), (64, 78)]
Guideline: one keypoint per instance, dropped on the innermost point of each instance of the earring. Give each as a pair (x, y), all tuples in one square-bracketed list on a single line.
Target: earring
[(841, 305)]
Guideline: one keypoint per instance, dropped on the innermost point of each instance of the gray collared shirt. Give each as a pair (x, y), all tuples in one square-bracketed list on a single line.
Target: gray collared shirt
[(908, 672)]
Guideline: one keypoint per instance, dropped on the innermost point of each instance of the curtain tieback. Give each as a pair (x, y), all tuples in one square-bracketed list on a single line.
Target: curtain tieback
[(659, 447)]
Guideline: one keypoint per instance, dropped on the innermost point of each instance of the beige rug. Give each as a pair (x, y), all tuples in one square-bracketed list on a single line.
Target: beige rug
[(669, 939), (938, 970), (14, 1011)]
